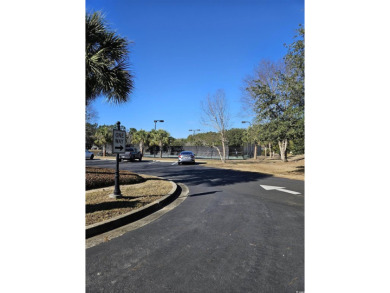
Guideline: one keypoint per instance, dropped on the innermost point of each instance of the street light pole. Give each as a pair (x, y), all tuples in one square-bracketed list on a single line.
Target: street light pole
[(194, 130), (155, 123), (248, 143)]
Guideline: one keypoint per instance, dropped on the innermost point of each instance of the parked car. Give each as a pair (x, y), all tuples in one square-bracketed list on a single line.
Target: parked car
[(131, 154), (186, 157), (89, 155)]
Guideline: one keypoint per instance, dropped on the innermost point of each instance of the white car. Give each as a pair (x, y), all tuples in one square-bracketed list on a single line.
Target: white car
[(89, 155)]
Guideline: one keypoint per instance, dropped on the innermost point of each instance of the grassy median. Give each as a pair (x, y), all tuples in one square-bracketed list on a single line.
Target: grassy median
[(137, 191)]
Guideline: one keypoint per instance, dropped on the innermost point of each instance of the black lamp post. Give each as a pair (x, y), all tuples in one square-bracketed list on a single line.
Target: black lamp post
[(117, 192)]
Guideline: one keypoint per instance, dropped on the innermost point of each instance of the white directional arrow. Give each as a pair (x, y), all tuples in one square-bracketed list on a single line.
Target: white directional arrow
[(268, 187)]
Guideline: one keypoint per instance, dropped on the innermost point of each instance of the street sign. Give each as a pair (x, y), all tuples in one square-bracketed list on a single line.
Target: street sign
[(119, 141)]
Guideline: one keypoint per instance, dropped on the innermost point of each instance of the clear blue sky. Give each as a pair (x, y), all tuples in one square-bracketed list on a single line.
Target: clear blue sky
[(184, 50)]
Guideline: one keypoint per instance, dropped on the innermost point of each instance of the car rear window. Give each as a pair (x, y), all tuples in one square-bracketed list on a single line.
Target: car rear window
[(186, 153)]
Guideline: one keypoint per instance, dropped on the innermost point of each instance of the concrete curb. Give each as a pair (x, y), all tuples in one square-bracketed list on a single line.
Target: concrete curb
[(105, 226)]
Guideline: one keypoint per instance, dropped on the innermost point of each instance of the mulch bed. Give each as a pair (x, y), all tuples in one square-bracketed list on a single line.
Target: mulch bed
[(101, 177)]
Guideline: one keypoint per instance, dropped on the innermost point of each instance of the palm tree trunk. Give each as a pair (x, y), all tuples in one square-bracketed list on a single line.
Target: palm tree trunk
[(141, 147)]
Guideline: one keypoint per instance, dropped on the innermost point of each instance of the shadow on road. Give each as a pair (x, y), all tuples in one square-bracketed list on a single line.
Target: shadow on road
[(193, 174), (213, 177), (204, 193)]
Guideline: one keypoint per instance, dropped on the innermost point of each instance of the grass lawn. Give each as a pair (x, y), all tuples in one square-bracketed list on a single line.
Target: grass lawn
[(293, 169)]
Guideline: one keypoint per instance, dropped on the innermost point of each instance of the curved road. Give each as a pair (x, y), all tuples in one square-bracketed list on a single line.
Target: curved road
[(229, 235)]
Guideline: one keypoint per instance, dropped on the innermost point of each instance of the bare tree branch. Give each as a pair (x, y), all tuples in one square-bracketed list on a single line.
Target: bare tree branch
[(265, 73), (217, 116)]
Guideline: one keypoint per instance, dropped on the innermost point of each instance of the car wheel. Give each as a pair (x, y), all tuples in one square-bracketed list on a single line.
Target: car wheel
[(140, 158), (179, 163), (91, 157)]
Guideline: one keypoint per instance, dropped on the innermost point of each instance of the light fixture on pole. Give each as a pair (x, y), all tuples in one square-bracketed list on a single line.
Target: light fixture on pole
[(194, 130), (155, 122), (247, 122)]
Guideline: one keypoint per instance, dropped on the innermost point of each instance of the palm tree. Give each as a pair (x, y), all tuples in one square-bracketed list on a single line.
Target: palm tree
[(130, 136), (159, 137), (106, 62), (141, 137), (103, 136)]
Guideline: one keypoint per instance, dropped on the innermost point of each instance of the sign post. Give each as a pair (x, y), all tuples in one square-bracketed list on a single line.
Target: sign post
[(118, 146)]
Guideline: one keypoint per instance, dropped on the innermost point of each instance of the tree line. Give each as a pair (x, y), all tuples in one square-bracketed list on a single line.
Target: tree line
[(101, 136)]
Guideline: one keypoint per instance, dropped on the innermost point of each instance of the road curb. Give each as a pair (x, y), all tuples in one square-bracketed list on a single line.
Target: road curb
[(116, 222)]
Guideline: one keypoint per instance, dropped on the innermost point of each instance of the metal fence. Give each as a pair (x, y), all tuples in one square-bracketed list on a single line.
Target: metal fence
[(203, 152)]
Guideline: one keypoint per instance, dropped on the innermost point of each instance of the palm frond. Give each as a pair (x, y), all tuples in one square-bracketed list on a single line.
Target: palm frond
[(106, 63)]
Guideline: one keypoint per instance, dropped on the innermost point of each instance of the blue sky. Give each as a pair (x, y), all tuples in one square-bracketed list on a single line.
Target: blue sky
[(184, 50)]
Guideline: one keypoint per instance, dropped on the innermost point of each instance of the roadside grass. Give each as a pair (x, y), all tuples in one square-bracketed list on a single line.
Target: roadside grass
[(137, 191), (293, 169)]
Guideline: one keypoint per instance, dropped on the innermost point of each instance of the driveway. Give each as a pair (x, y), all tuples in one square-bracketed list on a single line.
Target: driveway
[(232, 234)]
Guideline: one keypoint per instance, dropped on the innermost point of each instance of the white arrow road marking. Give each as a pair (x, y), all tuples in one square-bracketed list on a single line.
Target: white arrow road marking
[(268, 187), (175, 163), (288, 191)]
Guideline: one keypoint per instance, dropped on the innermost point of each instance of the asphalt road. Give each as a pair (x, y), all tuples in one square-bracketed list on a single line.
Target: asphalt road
[(229, 235)]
